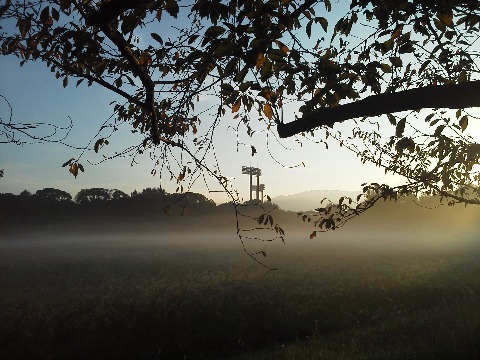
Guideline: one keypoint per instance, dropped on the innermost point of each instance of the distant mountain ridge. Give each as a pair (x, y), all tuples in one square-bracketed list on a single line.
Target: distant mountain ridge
[(310, 200)]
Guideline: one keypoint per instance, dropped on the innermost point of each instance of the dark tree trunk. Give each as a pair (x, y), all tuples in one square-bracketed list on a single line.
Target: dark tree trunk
[(455, 96)]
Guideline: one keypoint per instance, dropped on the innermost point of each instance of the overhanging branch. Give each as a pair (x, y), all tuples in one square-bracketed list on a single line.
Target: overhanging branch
[(100, 81), (454, 96)]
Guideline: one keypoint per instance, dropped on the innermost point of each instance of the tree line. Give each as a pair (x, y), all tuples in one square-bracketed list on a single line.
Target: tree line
[(51, 205)]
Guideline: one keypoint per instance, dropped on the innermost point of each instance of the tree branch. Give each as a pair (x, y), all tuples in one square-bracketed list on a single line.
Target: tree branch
[(138, 70), (454, 96), (102, 18), (80, 74), (5, 7)]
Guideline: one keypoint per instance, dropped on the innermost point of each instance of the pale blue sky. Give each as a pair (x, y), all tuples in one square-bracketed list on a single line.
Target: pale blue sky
[(36, 96)]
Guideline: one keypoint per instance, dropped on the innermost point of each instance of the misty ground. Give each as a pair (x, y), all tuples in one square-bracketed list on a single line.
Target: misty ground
[(398, 282)]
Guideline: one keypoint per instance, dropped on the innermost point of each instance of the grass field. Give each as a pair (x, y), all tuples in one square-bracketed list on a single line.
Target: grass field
[(128, 295)]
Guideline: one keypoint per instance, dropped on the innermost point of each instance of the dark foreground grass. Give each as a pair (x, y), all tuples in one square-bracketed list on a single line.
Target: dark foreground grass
[(163, 297), (446, 331)]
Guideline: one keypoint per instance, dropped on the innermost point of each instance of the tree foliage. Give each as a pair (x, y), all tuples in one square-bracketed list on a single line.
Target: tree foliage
[(53, 194), (389, 58), (93, 195), (97, 205)]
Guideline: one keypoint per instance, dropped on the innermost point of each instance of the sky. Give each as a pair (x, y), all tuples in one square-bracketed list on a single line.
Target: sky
[(36, 96)]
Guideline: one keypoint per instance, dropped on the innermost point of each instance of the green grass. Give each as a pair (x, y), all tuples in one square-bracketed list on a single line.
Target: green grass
[(125, 297)]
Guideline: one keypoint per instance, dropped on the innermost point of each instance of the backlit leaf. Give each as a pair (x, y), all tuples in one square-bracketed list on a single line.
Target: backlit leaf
[(145, 59), (446, 19), (260, 60), (236, 106), (282, 47), (74, 169), (267, 110), (397, 32), (440, 25)]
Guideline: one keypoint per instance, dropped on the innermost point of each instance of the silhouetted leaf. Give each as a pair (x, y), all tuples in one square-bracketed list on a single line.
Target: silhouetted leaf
[(261, 218), (171, 6), (396, 61), (392, 119), (323, 22), (463, 123), (157, 38), (24, 26), (68, 162), (400, 127), (214, 31), (65, 4)]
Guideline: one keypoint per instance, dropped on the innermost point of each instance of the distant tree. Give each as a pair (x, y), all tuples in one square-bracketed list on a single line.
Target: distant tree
[(25, 193), (86, 196), (117, 194), (53, 194), (99, 194), (153, 192), (192, 202)]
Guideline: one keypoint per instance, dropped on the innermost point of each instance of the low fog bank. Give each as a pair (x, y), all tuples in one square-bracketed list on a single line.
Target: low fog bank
[(402, 226)]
